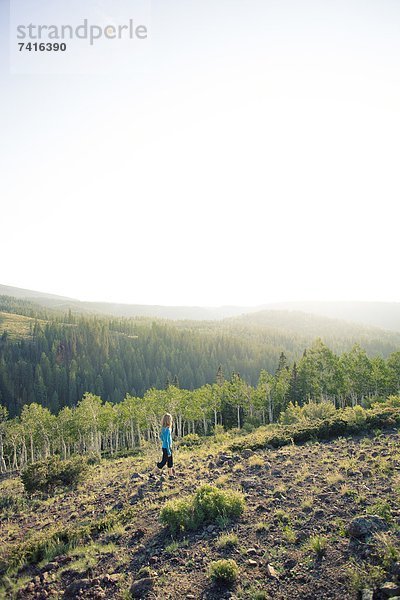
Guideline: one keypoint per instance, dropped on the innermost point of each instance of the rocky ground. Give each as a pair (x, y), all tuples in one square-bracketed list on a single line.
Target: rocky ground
[(322, 521)]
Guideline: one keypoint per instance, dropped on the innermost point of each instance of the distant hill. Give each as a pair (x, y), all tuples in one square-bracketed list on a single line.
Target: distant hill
[(384, 315), (53, 357), (6, 290), (197, 313), (312, 325)]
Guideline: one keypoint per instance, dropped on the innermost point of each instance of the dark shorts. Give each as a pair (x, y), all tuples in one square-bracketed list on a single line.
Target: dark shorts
[(165, 460)]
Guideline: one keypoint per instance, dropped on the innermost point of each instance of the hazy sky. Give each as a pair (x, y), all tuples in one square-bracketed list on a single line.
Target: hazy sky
[(255, 159)]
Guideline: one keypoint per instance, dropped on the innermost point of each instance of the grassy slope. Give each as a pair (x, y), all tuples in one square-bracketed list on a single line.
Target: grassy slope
[(293, 494), (17, 326)]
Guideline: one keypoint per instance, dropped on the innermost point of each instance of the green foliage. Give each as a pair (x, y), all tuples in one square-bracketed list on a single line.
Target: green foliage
[(312, 411), (44, 381), (11, 504), (45, 475), (218, 430), (191, 439), (208, 505), (318, 545), (292, 414), (356, 415), (382, 509), (93, 458), (393, 401), (387, 549), (248, 427), (227, 540), (179, 515), (45, 545), (365, 576), (223, 572), (343, 422)]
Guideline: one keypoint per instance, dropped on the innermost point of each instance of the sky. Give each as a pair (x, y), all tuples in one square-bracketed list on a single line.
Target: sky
[(250, 156)]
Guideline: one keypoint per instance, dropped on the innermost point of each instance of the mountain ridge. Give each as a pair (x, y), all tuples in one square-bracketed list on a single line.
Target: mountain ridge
[(382, 315)]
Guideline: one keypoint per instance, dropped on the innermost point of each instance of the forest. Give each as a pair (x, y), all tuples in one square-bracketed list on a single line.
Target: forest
[(321, 378), (52, 359)]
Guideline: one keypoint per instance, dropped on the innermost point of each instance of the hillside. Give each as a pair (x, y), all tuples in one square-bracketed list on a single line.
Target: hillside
[(65, 304), (16, 326), (383, 315), (313, 325), (53, 358), (297, 538)]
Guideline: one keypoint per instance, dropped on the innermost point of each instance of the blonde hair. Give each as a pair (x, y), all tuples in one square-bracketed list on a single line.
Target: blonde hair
[(166, 421)]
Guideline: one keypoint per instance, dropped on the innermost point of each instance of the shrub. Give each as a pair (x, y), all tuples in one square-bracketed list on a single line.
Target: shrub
[(355, 415), (393, 401), (292, 414), (223, 571), (191, 439), (208, 504), (218, 429), (314, 411), (341, 422), (93, 458), (45, 475), (178, 515), (318, 545), (227, 540), (382, 509), (12, 504)]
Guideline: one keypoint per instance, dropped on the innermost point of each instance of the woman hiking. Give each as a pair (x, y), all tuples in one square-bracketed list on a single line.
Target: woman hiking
[(166, 439)]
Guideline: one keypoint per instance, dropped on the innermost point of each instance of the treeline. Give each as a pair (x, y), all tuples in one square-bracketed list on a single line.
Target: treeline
[(64, 356), (348, 379)]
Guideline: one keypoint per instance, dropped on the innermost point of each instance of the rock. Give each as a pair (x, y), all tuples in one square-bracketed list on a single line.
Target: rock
[(252, 563), (50, 567), (222, 458), (248, 484), (396, 569), (247, 453), (367, 595), (279, 495), (390, 589), (153, 560), (114, 578), (271, 572), (363, 527), (251, 551), (76, 587), (290, 563), (140, 588)]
